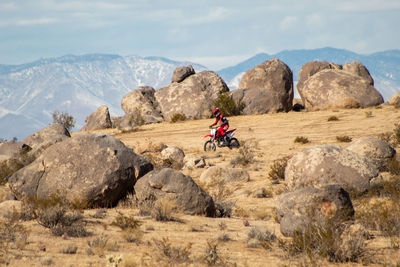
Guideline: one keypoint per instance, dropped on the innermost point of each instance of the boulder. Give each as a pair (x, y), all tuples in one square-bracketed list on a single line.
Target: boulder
[(216, 174), (192, 162), (45, 138), (174, 155), (96, 169), (395, 100), (201, 89), (265, 88), (181, 73), (358, 69), (311, 68), (141, 102), (99, 119), (299, 208), (329, 164), (374, 149), (175, 186), (9, 149), (331, 88), (5, 194)]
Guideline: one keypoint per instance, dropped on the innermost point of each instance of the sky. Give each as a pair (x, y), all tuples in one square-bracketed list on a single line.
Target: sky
[(215, 33)]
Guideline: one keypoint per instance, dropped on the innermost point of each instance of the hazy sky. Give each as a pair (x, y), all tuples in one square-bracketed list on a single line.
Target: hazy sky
[(215, 33)]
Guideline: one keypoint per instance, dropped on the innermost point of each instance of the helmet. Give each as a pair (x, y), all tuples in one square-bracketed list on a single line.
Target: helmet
[(215, 112)]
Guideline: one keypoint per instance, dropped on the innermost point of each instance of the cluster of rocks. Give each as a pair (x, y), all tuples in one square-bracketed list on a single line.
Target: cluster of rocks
[(266, 88), (320, 177)]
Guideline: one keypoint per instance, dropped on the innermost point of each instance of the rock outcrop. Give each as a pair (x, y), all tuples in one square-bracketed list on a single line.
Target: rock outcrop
[(324, 85), (265, 88), (394, 100), (181, 73), (329, 164), (141, 102), (193, 97), (174, 186), (96, 169), (99, 119), (299, 208)]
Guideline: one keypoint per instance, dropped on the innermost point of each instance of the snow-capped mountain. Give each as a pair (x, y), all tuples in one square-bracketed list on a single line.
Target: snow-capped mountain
[(78, 85), (383, 66)]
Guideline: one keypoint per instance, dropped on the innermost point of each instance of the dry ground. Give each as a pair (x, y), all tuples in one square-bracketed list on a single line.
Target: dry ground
[(270, 137)]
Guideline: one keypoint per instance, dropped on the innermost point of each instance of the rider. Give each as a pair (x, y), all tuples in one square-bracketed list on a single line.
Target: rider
[(224, 123)]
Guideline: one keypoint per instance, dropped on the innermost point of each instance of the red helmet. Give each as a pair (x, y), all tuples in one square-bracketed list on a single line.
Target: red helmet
[(216, 111)]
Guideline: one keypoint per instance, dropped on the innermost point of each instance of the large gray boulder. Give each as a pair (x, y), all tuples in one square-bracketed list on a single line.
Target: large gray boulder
[(173, 185), (265, 88), (96, 169), (374, 149), (193, 97), (45, 138), (332, 88), (173, 155), (311, 68), (141, 102), (329, 164), (99, 119), (297, 209), (358, 69), (181, 73)]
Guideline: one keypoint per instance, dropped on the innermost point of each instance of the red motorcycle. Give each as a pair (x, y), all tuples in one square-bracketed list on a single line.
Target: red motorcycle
[(221, 141)]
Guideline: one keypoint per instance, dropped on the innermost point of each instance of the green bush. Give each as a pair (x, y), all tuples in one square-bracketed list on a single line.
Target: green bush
[(64, 118), (178, 117), (227, 105)]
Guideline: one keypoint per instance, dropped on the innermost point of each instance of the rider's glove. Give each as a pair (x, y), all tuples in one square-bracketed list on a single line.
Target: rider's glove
[(210, 126)]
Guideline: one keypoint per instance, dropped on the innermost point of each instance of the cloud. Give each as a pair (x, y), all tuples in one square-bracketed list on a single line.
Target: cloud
[(288, 23), (367, 5), (215, 14), (33, 22)]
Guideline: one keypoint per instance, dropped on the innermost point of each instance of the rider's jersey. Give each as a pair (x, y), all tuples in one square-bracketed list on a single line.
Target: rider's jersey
[(223, 121)]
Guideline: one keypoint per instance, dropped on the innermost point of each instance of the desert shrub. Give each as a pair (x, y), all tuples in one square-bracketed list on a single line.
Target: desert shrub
[(301, 139), (97, 245), (333, 118), (325, 239), (178, 117), (64, 118), (132, 235), (126, 222), (393, 166), (246, 155), (368, 114), (12, 235), (100, 214), (277, 169), (70, 249), (163, 209), (262, 239), (343, 138), (227, 105), (224, 208), (166, 252)]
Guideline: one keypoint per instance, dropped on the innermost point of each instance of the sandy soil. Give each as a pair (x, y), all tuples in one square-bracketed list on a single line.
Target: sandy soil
[(270, 137)]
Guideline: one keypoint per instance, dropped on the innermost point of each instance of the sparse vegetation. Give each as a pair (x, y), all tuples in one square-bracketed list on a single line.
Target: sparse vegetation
[(396, 132), (333, 118), (258, 238), (368, 114), (301, 139), (178, 117), (227, 105), (64, 118), (343, 138), (163, 209), (277, 169), (246, 154), (166, 252), (126, 222)]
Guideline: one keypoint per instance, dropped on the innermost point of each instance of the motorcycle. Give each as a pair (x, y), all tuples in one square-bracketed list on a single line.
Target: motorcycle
[(222, 141)]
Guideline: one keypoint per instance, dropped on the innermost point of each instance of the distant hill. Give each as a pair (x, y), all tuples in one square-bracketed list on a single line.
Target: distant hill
[(30, 93), (383, 66)]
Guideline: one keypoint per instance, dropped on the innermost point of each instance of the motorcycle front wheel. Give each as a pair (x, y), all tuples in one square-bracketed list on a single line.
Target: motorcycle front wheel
[(209, 146), (234, 143)]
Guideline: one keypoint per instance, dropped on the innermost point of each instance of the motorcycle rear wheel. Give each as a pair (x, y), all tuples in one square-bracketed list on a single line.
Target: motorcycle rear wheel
[(209, 146), (234, 143)]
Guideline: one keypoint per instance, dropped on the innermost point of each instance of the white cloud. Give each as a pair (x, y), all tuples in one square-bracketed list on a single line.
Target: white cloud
[(367, 5), (215, 14), (33, 22), (288, 23)]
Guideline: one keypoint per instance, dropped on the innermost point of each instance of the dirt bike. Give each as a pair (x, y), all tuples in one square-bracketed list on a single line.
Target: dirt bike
[(223, 141)]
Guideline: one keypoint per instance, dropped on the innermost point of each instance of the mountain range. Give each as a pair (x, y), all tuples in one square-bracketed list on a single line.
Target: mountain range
[(30, 93)]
